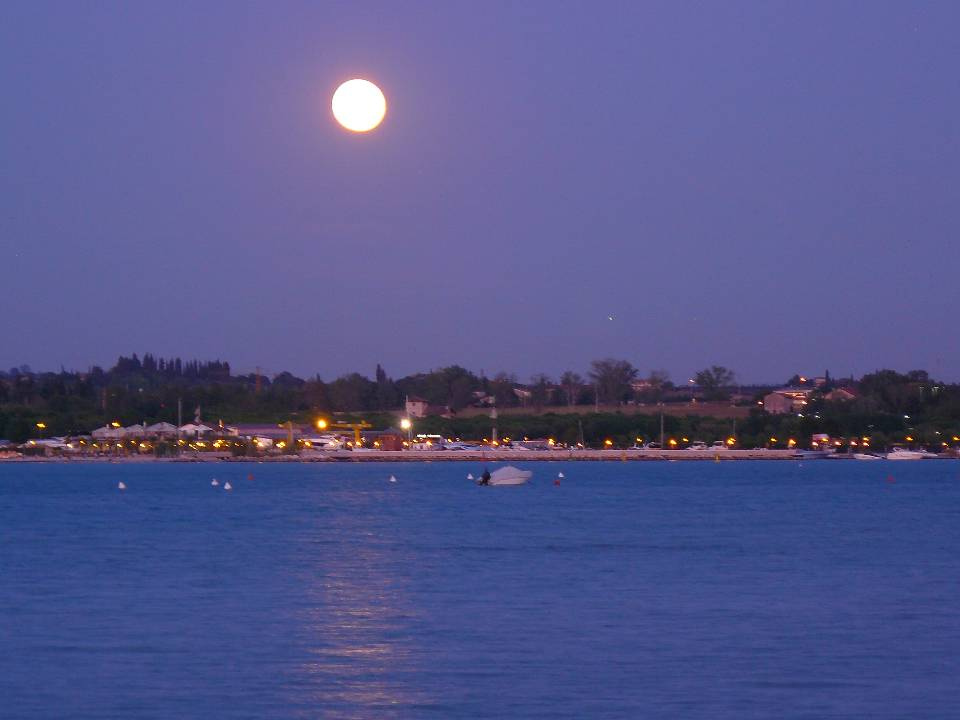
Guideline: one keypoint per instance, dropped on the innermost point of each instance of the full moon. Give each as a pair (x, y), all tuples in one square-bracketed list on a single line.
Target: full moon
[(359, 105)]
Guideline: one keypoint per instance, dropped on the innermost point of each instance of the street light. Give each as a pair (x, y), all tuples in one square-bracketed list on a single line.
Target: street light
[(407, 425), (321, 424)]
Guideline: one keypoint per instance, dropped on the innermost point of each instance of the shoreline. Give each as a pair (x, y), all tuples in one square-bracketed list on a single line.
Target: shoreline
[(454, 456)]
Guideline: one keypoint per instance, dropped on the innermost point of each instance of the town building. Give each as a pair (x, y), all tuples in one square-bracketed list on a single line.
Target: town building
[(786, 400), (416, 407), (389, 439), (843, 393)]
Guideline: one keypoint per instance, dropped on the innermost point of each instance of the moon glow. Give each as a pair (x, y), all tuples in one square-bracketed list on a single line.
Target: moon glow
[(359, 105)]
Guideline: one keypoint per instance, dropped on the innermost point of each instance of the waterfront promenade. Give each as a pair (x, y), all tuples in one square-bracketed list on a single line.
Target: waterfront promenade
[(442, 456)]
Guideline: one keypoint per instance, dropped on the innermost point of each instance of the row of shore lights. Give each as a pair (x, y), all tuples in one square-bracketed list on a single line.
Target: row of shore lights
[(405, 424)]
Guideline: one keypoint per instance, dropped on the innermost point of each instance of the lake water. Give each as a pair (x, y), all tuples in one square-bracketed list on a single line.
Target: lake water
[(632, 590)]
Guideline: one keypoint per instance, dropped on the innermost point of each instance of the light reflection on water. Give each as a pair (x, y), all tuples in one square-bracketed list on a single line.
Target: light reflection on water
[(632, 590), (355, 630)]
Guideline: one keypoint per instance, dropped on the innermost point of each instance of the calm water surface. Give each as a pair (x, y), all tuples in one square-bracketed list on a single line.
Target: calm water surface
[(632, 590)]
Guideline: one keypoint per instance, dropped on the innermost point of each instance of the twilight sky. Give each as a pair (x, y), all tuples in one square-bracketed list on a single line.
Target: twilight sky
[(772, 186)]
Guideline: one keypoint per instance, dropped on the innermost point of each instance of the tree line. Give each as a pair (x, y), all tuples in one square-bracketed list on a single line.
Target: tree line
[(148, 389)]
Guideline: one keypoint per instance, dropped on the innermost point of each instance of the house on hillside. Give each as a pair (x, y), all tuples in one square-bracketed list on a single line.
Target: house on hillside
[(416, 407), (419, 408), (523, 395), (786, 400), (777, 404), (843, 393), (482, 399)]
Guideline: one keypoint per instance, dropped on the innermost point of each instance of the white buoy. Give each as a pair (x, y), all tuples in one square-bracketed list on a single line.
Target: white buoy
[(214, 482), (469, 476), (392, 479), (121, 485), (227, 485), (560, 475)]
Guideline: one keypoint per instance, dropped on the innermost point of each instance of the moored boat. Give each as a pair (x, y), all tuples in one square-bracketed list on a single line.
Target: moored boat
[(900, 453), (508, 475)]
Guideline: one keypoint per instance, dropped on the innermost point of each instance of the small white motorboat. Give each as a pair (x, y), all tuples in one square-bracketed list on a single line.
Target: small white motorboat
[(508, 475), (900, 453), (866, 456)]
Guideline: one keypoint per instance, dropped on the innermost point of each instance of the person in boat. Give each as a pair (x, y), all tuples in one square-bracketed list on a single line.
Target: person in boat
[(485, 478)]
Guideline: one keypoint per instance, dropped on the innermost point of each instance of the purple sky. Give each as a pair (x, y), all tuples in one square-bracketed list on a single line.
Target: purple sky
[(772, 186)]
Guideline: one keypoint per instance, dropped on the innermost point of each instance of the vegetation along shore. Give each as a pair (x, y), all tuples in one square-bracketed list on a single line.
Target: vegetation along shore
[(611, 407)]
